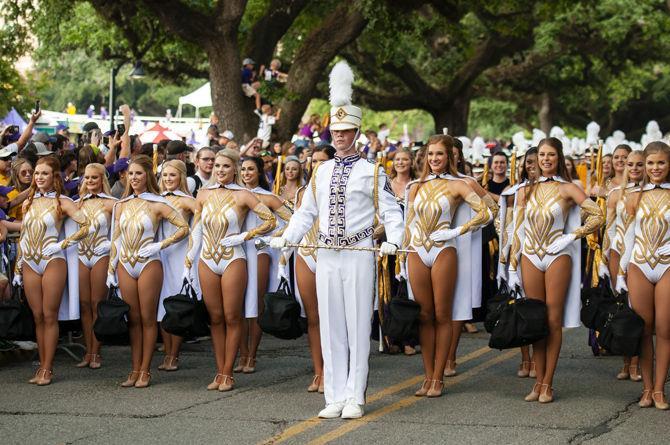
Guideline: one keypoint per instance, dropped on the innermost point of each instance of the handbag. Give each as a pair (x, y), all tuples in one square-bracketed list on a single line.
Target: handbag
[(592, 298), (111, 326), (185, 315), (622, 331), (281, 317), (402, 320), (522, 322), (16, 318), (495, 306)]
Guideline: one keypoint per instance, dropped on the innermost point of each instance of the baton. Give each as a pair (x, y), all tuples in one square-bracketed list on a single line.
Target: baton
[(260, 244)]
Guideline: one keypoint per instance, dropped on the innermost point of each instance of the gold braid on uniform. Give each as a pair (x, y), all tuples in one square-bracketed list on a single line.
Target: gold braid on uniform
[(113, 254), (610, 219), (492, 206), (265, 215), (19, 256), (285, 214), (481, 217), (176, 219), (408, 236), (188, 261), (505, 234), (80, 234), (593, 219), (515, 250)]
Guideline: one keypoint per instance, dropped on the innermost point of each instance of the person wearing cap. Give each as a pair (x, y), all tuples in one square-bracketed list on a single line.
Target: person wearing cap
[(348, 193), (6, 155), (120, 167), (250, 83), (224, 138), (18, 144)]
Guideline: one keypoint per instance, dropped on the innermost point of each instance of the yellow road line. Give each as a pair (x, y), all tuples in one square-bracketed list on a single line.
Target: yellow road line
[(314, 421), (408, 401)]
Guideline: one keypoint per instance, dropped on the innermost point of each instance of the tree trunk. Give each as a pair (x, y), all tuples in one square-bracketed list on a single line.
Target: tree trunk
[(454, 117), (545, 113), (228, 100)]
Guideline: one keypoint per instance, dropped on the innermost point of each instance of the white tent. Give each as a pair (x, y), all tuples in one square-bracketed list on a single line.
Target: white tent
[(202, 97)]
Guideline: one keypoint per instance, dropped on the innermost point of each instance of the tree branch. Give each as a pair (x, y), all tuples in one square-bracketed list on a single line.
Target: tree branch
[(183, 21), (382, 102)]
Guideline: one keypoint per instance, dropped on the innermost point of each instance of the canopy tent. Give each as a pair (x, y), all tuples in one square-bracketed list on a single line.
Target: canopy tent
[(158, 133), (202, 97), (14, 118)]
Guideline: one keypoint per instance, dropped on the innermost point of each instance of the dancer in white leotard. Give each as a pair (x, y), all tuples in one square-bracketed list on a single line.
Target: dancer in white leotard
[(136, 243), (97, 204), (221, 210), (41, 263), (174, 188), (646, 261)]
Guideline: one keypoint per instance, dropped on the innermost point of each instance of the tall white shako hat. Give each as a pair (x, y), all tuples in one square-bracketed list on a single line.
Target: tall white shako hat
[(343, 115)]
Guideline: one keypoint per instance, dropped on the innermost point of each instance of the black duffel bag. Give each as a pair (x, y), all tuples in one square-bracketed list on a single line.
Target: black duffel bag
[(592, 299), (622, 332), (185, 315), (111, 326), (281, 317), (16, 318), (522, 322), (402, 318), (495, 306)]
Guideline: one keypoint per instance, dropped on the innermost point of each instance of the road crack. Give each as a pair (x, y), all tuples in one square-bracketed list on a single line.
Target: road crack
[(604, 427)]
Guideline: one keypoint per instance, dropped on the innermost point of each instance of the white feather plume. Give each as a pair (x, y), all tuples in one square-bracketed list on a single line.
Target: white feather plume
[(341, 79)]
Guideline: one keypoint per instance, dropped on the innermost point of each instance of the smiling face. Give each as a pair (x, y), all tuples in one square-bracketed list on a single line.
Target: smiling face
[(437, 158), (93, 180), (657, 166), (547, 158), (26, 173), (171, 178), (137, 178), (292, 171), (499, 165), (44, 178), (224, 170), (607, 166), (402, 162), (619, 160), (635, 166), (530, 163), (249, 174)]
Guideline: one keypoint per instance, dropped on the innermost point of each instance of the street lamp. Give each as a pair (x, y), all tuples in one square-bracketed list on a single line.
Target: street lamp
[(136, 73)]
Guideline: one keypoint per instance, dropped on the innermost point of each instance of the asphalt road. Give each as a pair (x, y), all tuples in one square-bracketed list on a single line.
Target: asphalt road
[(483, 403)]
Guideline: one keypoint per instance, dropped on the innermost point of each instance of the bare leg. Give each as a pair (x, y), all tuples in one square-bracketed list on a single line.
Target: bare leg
[(128, 288), (420, 280), (456, 331), (233, 286), (662, 318), (98, 294), (85, 311), (533, 286), (557, 280), (210, 283), (255, 332), (32, 286), (307, 286), (53, 283), (149, 288), (443, 277), (641, 294), (613, 267)]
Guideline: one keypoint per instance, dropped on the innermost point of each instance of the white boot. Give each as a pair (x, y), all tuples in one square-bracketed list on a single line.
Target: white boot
[(332, 410), (352, 410)]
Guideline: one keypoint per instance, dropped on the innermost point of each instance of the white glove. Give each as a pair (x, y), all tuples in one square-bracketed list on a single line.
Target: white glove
[(664, 250), (282, 272), (445, 235), (233, 240), (387, 249), (513, 281), (18, 280), (149, 250), (561, 243), (52, 249), (621, 284), (278, 242), (102, 248), (111, 280), (603, 270), (502, 275), (402, 275)]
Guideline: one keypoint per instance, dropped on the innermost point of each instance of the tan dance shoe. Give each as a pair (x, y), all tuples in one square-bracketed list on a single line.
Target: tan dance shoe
[(227, 383), (143, 380), (130, 381)]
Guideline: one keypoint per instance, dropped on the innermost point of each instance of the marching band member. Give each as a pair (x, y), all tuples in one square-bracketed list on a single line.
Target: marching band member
[(646, 261), (137, 224), (349, 190), (529, 172), (305, 278), (613, 239), (46, 253), (174, 188), (432, 267), (545, 251), (96, 203), (217, 240), (262, 265)]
